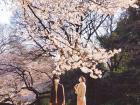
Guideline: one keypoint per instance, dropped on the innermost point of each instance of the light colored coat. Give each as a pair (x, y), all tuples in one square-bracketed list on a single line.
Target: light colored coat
[(80, 90)]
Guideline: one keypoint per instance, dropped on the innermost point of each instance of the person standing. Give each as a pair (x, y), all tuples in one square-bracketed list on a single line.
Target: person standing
[(80, 90), (57, 92)]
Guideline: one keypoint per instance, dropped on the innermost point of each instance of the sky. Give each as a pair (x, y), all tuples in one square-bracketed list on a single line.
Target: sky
[(6, 12), (5, 16)]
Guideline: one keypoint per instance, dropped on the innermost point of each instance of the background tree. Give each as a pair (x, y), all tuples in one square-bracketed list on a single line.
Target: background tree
[(126, 37)]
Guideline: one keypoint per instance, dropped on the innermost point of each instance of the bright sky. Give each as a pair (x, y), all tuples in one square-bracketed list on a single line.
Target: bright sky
[(5, 12), (5, 16)]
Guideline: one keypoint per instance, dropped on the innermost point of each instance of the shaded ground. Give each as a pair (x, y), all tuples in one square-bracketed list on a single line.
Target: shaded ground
[(118, 89)]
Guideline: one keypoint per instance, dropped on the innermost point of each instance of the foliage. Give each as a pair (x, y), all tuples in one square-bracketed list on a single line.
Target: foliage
[(126, 37)]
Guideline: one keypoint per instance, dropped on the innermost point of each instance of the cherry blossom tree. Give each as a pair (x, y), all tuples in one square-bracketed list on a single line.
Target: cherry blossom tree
[(56, 26), (22, 71), (18, 75)]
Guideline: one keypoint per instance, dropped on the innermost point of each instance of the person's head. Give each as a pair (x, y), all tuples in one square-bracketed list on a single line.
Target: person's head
[(56, 79), (82, 79)]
